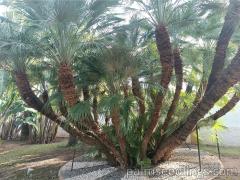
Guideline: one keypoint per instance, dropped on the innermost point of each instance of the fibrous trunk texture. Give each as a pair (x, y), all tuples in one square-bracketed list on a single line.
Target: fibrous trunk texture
[(34, 102), (104, 140), (95, 106), (26, 92), (66, 82), (121, 139), (231, 22), (166, 59), (229, 77), (136, 89), (67, 86), (179, 80)]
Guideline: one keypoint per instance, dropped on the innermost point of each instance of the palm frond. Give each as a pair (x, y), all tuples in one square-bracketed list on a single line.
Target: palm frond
[(80, 111)]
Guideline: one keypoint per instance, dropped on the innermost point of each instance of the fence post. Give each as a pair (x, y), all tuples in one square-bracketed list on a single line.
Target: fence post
[(74, 152), (218, 148), (199, 155)]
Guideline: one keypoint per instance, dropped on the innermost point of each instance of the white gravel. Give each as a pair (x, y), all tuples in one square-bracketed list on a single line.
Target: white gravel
[(182, 165)]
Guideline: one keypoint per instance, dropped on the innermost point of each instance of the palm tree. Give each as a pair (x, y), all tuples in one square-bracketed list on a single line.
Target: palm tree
[(102, 68), (226, 79), (63, 34), (163, 14)]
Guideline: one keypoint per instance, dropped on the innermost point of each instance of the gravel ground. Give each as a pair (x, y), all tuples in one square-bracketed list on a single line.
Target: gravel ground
[(182, 165)]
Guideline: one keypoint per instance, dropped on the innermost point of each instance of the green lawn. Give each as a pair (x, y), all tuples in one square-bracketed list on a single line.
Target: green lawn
[(45, 160), (225, 151), (18, 154)]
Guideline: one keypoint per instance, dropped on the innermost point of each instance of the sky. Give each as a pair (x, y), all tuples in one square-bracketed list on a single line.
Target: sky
[(2, 10)]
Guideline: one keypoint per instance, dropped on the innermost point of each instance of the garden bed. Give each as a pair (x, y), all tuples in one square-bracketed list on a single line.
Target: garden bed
[(183, 164)]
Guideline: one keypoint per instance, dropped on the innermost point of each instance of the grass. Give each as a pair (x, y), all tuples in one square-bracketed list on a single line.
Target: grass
[(45, 160), (17, 154), (225, 151)]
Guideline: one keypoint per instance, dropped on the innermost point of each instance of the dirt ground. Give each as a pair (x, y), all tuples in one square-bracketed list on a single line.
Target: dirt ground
[(231, 168), (43, 165), (10, 145)]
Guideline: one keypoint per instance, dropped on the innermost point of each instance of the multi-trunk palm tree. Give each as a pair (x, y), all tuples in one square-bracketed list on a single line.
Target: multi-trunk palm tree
[(105, 84)]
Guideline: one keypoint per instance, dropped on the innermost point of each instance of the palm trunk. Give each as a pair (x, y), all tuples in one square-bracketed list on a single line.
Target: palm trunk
[(24, 131), (103, 138), (49, 128), (228, 78), (86, 95), (34, 102), (26, 92), (225, 109), (72, 140), (230, 24), (179, 80), (66, 82), (136, 89), (125, 89), (107, 120), (166, 59), (122, 141), (189, 88), (95, 106), (10, 130), (63, 109), (44, 133)]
